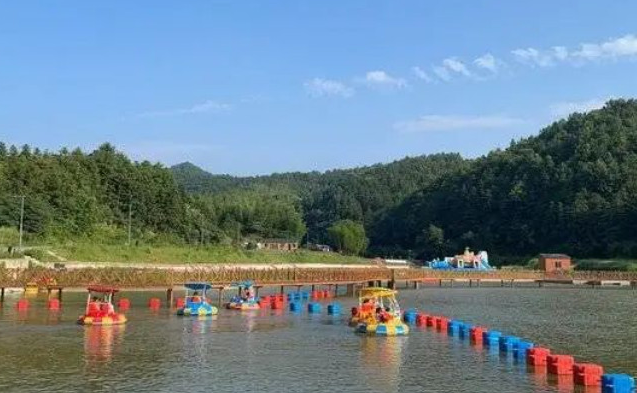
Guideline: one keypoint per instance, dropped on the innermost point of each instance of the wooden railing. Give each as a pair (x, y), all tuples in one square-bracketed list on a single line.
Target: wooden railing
[(154, 277), (135, 277)]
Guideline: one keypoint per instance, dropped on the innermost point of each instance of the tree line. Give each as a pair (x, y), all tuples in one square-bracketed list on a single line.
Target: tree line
[(569, 189)]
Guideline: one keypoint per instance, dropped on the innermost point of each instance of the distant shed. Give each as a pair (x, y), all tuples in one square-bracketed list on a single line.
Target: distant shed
[(277, 245), (554, 262)]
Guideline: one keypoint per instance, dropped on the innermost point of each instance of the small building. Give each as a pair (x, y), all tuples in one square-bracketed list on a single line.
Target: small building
[(395, 263), (554, 262), (320, 247), (277, 245)]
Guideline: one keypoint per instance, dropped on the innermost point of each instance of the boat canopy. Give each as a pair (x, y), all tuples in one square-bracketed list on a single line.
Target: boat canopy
[(243, 284), (198, 286), (377, 292), (102, 289)]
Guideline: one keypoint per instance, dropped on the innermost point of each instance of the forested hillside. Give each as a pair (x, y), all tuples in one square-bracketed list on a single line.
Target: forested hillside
[(359, 194), (70, 193), (569, 189)]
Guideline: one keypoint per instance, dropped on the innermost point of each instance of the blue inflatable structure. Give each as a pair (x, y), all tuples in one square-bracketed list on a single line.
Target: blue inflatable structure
[(466, 261)]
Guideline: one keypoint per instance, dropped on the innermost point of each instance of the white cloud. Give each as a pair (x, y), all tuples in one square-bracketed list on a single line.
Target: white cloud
[(318, 87), (456, 65), (451, 66), (563, 109), (381, 78), (447, 123), (533, 57), (560, 53), (620, 47), (625, 46), (442, 73), (421, 74), (208, 106), (488, 62)]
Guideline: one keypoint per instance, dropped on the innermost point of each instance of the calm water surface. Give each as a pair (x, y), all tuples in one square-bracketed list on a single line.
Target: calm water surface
[(266, 351)]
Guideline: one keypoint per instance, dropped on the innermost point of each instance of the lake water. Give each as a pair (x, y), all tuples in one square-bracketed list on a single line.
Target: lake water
[(269, 351)]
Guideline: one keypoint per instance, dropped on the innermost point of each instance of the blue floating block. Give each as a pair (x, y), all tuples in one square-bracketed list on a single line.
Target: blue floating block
[(507, 343), (305, 295), (295, 307), (334, 309), (410, 316), (521, 347), (314, 307), (465, 330), (453, 327), (618, 383), (491, 338)]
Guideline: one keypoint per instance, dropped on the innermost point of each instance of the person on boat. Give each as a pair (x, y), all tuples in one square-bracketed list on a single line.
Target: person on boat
[(367, 307), (379, 315), (387, 314), (195, 297), (110, 309), (94, 306)]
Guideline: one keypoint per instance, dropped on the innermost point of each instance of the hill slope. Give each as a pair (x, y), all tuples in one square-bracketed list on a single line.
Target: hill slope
[(569, 189), (360, 194)]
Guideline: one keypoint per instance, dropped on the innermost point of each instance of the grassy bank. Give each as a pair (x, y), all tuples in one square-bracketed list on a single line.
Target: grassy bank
[(91, 252), (624, 265)]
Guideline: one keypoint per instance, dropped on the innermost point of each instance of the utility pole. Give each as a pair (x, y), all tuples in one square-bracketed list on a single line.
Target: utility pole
[(21, 219), (130, 216), (201, 232)]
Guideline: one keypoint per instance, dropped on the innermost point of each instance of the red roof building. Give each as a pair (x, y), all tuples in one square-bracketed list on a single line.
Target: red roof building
[(554, 262)]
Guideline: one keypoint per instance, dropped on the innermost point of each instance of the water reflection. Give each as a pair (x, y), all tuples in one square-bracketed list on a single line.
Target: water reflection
[(22, 315), (538, 376), (250, 321), (100, 342), (200, 324), (53, 317), (381, 360), (564, 383)]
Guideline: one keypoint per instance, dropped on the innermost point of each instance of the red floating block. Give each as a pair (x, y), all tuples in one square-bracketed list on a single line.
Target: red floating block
[(180, 302), (154, 302), (22, 304), (327, 294), (442, 324), (588, 374), (53, 304), (476, 334), (430, 321), (537, 356), (560, 364), (421, 319), (123, 304)]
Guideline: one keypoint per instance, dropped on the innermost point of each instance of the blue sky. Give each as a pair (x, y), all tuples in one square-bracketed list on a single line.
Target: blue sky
[(251, 87)]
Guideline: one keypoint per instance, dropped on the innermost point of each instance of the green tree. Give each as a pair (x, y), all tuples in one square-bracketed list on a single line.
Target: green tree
[(348, 237), (435, 240)]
